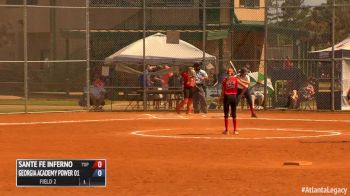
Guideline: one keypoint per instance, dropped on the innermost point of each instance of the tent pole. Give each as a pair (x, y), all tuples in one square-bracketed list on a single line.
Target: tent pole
[(332, 33), (144, 57), (204, 29), (25, 55), (87, 37), (265, 54)]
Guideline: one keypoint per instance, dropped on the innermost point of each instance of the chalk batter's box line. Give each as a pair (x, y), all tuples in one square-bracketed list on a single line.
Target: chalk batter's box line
[(58, 159)]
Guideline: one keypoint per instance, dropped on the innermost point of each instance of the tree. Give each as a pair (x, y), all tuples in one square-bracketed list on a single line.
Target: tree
[(319, 23), (293, 13), (273, 11), (288, 15)]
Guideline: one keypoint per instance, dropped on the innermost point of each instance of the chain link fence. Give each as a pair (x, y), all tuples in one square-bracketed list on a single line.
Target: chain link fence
[(52, 52)]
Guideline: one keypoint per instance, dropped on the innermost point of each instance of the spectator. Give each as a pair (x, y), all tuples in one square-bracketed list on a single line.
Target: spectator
[(97, 94), (257, 93), (145, 83), (221, 76), (307, 92), (157, 82), (310, 89), (189, 82), (174, 83), (243, 91), (156, 79), (165, 77), (293, 99), (324, 74), (287, 63), (247, 67)]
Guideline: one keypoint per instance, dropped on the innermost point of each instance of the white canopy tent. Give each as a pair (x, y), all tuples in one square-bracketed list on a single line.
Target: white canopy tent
[(341, 52), (158, 51)]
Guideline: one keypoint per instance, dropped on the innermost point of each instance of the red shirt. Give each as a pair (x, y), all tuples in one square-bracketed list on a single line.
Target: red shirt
[(185, 79), (166, 77), (98, 83), (230, 86)]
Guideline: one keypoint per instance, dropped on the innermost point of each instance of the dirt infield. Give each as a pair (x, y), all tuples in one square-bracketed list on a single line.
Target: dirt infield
[(171, 154)]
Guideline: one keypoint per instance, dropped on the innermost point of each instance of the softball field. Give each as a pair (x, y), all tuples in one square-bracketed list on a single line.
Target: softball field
[(170, 154)]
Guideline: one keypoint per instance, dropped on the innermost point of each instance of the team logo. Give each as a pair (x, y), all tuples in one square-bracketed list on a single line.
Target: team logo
[(230, 84)]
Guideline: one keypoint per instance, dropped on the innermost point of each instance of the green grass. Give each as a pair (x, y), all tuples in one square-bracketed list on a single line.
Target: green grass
[(11, 110), (44, 102), (48, 102)]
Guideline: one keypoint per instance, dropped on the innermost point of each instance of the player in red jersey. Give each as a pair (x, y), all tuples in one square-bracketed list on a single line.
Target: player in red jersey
[(189, 82), (228, 96)]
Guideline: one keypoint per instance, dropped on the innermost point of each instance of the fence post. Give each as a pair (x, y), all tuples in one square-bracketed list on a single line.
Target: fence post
[(204, 29), (265, 55), (87, 37), (145, 74), (25, 55), (332, 33)]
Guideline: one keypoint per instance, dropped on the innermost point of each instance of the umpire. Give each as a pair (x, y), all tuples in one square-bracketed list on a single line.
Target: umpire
[(199, 99)]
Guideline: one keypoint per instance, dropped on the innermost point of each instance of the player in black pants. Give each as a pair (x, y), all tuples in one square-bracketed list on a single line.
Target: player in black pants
[(243, 76), (228, 97)]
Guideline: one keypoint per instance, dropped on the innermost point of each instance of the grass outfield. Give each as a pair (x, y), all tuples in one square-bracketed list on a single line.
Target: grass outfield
[(43, 102), (38, 105)]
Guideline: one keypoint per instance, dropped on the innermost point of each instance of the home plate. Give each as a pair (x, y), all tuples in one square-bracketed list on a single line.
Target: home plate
[(298, 163)]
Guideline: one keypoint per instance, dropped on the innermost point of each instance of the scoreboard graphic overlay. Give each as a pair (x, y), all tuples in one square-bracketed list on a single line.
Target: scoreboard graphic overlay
[(35, 172)]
